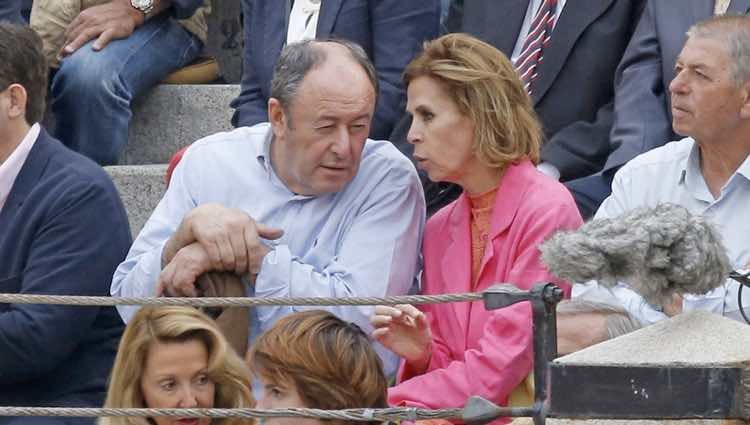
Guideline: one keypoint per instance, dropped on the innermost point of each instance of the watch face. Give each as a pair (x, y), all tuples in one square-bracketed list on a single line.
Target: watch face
[(142, 4)]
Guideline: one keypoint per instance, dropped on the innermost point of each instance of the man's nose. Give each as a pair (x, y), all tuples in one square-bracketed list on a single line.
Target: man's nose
[(342, 146), (678, 84)]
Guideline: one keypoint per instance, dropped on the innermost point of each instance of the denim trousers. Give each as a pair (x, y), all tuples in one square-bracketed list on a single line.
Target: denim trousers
[(92, 92)]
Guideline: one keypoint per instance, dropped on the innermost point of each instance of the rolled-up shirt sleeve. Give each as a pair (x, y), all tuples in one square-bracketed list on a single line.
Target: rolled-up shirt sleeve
[(138, 274)]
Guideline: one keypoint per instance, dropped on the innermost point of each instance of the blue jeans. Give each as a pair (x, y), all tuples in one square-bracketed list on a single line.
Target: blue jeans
[(92, 91)]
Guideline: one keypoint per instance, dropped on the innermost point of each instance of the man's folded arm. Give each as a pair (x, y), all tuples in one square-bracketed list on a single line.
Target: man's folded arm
[(138, 274), (379, 256)]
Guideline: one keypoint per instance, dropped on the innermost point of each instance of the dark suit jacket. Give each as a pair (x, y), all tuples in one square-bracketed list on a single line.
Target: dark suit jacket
[(390, 31), (63, 230), (643, 116), (574, 94)]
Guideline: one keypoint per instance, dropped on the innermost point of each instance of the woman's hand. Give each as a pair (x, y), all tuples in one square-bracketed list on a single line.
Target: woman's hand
[(404, 330)]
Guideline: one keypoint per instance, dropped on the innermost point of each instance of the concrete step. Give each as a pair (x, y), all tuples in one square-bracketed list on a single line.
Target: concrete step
[(173, 116), (141, 188)]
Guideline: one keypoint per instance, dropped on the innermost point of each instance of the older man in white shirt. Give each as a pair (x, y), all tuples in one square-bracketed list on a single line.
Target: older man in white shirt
[(708, 172)]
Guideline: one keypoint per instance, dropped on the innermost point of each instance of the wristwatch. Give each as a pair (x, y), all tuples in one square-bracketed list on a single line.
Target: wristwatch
[(145, 6)]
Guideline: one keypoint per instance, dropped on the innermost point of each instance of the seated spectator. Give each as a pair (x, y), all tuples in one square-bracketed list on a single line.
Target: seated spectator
[(314, 359), (570, 77), (707, 172), (390, 31), (303, 206), (473, 125), (112, 52), (643, 117), (63, 230), (176, 357)]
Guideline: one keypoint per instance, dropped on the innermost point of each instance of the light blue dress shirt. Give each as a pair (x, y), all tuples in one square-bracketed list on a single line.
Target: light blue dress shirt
[(362, 241), (672, 173)]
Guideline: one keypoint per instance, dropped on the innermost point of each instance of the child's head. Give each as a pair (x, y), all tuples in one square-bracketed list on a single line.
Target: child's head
[(314, 359)]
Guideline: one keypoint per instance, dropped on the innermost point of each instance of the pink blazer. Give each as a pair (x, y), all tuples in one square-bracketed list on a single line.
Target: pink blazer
[(474, 351)]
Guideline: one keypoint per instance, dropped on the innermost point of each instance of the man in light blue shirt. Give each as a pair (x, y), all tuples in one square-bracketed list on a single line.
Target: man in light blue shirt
[(302, 206), (708, 172)]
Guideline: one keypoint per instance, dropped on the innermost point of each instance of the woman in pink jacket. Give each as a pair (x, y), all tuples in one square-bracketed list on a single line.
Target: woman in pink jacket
[(473, 125)]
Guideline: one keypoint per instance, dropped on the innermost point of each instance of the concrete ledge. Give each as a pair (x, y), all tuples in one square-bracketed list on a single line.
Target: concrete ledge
[(170, 117), (141, 188)]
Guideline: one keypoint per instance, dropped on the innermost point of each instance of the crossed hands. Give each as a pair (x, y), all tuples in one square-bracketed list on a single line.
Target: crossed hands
[(106, 22), (212, 238), (404, 330)]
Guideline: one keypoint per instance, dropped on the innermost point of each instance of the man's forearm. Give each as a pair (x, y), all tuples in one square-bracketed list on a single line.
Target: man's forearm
[(180, 239)]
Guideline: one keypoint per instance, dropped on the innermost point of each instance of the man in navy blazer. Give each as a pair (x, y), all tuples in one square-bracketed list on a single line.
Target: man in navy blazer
[(390, 31), (574, 93), (63, 231)]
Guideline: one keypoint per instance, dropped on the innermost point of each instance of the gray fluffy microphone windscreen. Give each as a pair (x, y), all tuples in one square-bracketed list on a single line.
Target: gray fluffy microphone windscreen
[(657, 251)]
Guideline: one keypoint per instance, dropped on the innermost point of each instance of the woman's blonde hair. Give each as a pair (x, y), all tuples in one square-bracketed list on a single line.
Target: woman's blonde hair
[(486, 87), (175, 324)]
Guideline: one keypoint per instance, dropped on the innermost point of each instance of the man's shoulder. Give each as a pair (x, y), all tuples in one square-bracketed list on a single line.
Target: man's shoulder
[(241, 138), (666, 158), (72, 171), (381, 157)]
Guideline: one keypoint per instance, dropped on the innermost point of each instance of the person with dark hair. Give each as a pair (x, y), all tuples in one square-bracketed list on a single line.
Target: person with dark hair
[(314, 359), (390, 31), (63, 230), (110, 52), (303, 206)]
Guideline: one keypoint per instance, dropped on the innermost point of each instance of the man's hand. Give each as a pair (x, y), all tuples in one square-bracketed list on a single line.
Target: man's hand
[(674, 307), (404, 330), (110, 21), (178, 278), (230, 236)]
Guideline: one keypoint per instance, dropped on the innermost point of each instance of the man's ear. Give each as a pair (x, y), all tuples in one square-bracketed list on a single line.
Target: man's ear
[(18, 99), (745, 108), (277, 116)]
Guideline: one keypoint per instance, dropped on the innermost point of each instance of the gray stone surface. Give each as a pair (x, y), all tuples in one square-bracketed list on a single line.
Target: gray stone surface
[(141, 187), (697, 338), (173, 116)]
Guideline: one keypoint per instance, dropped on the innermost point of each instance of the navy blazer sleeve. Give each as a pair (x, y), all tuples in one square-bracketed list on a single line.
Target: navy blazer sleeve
[(583, 147), (75, 249), (398, 30), (250, 107), (183, 9), (640, 112)]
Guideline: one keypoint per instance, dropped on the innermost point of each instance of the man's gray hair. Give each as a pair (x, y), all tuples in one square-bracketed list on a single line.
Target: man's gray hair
[(618, 322), (734, 32), (299, 58)]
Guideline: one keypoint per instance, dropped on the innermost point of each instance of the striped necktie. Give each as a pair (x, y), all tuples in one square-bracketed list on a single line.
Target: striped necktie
[(536, 40)]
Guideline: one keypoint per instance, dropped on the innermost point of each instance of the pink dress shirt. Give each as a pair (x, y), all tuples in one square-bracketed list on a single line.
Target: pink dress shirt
[(474, 351), (12, 166)]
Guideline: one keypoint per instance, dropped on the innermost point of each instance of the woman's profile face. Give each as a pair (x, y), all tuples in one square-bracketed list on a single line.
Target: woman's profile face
[(442, 136), (175, 376), (280, 395)]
